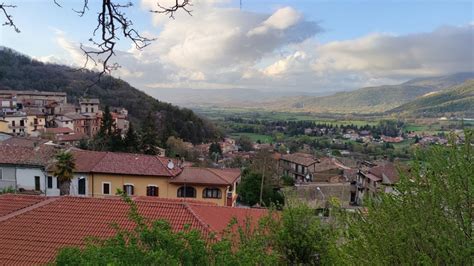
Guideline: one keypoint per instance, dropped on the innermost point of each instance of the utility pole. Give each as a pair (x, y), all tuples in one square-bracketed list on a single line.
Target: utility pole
[(263, 178)]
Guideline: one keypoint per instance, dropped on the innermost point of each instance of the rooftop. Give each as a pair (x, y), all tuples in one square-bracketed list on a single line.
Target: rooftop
[(21, 155), (300, 158), (196, 175), (33, 233)]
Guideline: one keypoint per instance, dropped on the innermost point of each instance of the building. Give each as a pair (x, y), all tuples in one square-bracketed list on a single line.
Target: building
[(23, 168), (89, 106), (14, 123), (34, 228), (35, 98), (300, 166), (101, 174), (374, 179), (305, 167)]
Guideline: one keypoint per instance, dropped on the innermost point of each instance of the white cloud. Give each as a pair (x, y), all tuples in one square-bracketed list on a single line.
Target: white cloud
[(221, 47)]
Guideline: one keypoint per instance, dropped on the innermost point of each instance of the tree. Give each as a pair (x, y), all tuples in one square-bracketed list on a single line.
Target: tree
[(64, 171), (215, 151), (245, 143), (131, 141), (113, 24), (250, 188), (149, 135), (428, 220)]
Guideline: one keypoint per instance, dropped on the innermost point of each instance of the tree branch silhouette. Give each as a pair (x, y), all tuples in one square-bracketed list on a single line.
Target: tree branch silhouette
[(8, 17)]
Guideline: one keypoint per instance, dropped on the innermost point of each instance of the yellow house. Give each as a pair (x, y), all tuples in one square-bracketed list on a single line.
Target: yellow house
[(101, 174)]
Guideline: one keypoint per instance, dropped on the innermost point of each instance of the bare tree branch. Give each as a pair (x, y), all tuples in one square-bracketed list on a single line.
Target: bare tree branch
[(8, 17), (170, 11), (84, 8)]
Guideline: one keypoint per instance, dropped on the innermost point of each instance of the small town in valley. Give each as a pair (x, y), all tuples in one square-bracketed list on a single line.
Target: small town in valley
[(235, 132)]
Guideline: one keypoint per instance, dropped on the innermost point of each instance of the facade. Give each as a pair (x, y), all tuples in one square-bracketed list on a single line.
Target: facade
[(14, 123), (300, 166), (102, 174), (89, 106), (34, 98)]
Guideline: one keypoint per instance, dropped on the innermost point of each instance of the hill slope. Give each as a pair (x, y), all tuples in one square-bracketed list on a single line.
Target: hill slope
[(19, 72), (370, 99), (457, 100)]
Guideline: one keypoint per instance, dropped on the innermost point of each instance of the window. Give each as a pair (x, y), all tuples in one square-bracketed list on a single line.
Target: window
[(211, 193), (50, 182), (37, 183), (92, 109), (1, 173), (106, 188), (13, 123), (58, 184), (87, 110), (186, 192), (152, 190), (81, 186), (128, 189)]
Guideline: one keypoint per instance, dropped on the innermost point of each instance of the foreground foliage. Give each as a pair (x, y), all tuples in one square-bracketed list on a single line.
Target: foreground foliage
[(429, 221)]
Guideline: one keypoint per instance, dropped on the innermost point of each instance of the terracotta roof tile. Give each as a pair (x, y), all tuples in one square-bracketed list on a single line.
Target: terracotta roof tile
[(38, 156), (300, 158), (35, 236), (10, 203), (196, 175)]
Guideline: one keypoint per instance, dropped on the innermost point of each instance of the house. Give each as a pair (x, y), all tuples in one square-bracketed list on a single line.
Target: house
[(305, 167), (101, 174), (35, 98), (24, 168), (14, 123), (89, 106), (36, 122), (34, 228), (214, 185), (376, 179), (300, 166)]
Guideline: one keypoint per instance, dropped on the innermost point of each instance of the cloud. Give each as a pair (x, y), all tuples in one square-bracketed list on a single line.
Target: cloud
[(448, 49), (223, 47)]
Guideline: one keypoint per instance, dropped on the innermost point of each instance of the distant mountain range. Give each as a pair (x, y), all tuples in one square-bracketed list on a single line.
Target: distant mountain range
[(454, 100), (370, 99)]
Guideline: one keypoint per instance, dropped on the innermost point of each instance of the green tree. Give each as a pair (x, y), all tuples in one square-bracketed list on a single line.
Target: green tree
[(131, 141), (245, 143), (64, 171), (428, 220), (250, 188), (215, 148), (150, 137)]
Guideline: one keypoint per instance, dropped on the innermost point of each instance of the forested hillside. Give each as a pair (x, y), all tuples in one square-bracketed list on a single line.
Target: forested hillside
[(458, 100), (19, 72), (370, 99)]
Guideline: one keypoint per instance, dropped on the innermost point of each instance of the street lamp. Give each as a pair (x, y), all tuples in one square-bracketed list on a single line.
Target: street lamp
[(324, 200)]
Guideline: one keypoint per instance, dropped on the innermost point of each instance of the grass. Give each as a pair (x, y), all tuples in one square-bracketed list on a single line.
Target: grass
[(254, 137)]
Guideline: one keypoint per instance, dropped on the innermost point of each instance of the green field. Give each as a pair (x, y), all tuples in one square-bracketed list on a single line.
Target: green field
[(253, 137), (219, 114)]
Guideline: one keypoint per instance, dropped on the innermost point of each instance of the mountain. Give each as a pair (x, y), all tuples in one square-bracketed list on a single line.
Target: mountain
[(19, 72), (369, 99), (236, 97), (458, 100)]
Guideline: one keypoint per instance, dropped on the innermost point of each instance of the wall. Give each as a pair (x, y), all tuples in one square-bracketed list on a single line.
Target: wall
[(7, 177), (166, 190)]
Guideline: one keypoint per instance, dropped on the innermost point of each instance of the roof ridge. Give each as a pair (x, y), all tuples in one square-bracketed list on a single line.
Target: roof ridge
[(205, 226), (165, 166), (27, 209), (212, 171)]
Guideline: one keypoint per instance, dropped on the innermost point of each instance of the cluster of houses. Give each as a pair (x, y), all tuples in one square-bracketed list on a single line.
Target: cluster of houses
[(317, 180), (49, 115), (28, 165)]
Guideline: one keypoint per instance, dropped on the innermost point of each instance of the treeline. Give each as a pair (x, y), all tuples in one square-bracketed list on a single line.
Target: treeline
[(19, 72), (390, 128)]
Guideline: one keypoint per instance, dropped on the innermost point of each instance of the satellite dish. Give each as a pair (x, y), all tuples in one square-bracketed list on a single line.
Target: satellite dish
[(170, 164)]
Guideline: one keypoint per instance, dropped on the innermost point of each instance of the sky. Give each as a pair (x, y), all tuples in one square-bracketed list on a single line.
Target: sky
[(284, 45)]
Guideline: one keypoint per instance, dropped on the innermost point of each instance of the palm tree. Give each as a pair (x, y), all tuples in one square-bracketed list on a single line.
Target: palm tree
[(64, 168)]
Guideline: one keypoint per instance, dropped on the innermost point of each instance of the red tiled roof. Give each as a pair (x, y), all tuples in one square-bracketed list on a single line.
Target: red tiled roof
[(35, 236), (300, 158), (196, 175), (122, 163), (71, 137), (10, 203), (23, 142), (38, 156), (388, 170)]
